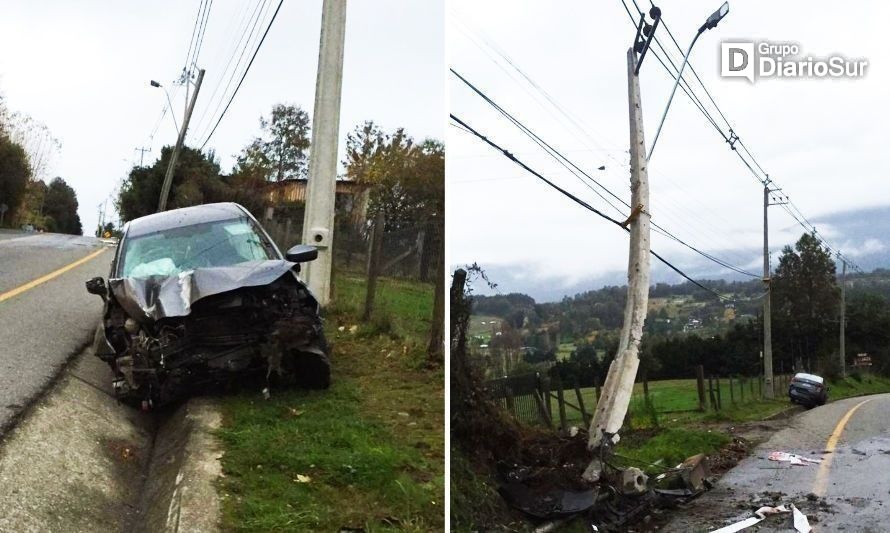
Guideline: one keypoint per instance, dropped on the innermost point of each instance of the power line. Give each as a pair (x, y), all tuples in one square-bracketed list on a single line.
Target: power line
[(575, 170), (578, 201), (733, 138), (203, 31), (274, 15), (703, 229), (244, 23), (188, 53)]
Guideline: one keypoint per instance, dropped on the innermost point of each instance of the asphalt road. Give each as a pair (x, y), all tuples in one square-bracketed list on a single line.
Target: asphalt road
[(42, 324), (848, 491)]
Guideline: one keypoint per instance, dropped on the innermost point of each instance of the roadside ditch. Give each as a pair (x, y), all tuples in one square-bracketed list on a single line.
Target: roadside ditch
[(78, 460)]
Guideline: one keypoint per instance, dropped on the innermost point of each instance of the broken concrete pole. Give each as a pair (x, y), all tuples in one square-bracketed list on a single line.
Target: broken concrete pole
[(615, 398)]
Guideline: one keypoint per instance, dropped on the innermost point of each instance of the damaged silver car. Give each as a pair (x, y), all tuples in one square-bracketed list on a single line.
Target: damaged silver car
[(201, 296)]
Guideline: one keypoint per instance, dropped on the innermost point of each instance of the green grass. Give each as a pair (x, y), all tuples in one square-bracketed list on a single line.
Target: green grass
[(676, 401), (668, 447), (372, 445)]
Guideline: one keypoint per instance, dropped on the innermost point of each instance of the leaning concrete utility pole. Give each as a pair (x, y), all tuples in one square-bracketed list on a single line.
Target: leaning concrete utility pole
[(318, 223), (168, 178), (615, 398), (843, 349), (767, 320)]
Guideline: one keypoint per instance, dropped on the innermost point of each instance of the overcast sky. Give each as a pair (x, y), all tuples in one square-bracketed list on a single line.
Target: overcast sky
[(83, 69), (821, 140)]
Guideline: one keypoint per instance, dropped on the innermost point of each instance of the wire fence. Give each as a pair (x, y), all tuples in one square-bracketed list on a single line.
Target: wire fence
[(411, 252)]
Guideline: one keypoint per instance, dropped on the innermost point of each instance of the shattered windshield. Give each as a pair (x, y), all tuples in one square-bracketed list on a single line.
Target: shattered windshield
[(175, 250)]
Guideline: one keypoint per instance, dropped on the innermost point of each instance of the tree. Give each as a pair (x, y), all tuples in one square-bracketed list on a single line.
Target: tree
[(15, 174), (196, 180), (407, 179), (60, 208), (282, 149), (805, 302)]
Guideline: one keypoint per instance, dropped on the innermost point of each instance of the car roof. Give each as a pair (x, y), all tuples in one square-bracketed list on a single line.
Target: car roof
[(809, 377), (185, 216)]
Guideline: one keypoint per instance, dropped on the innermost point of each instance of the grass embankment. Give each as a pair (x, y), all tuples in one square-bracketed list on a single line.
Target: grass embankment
[(367, 453)]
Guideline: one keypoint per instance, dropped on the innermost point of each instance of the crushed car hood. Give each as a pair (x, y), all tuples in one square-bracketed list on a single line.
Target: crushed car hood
[(157, 297)]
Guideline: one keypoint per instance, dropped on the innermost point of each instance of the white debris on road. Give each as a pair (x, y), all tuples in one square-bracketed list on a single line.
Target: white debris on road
[(794, 459), (801, 524)]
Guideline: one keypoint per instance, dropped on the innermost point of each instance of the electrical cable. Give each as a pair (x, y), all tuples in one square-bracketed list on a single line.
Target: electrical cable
[(580, 202), (274, 15), (765, 179), (251, 23), (560, 158)]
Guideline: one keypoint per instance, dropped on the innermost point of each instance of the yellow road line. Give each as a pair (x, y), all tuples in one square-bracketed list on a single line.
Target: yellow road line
[(830, 446), (43, 279)]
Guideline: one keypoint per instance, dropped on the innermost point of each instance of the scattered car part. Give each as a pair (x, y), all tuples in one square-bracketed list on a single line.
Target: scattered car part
[(794, 459)]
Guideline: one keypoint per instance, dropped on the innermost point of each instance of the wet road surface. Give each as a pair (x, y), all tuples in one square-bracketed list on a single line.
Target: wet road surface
[(848, 491), (43, 324)]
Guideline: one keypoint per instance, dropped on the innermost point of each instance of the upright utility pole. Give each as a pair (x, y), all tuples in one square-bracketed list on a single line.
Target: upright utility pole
[(768, 391), (843, 349), (141, 154), (318, 223), (168, 178), (615, 398)]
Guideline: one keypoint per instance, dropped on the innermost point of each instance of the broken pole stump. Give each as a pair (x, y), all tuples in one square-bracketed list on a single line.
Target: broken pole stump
[(700, 383)]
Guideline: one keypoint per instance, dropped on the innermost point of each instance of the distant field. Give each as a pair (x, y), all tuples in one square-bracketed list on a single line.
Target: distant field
[(564, 351), (481, 325)]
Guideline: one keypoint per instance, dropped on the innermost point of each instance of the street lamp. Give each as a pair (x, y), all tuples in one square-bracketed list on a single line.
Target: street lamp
[(711, 23), (169, 103)]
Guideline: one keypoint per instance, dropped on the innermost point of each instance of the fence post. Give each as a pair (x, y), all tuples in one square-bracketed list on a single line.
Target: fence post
[(584, 416), (751, 384), (546, 394), (560, 398), (374, 263), (760, 387), (731, 393), (719, 398), (508, 393), (714, 405), (700, 382), (742, 389), (542, 410), (646, 387)]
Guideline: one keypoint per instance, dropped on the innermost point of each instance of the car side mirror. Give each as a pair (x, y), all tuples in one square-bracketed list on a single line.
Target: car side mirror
[(302, 253), (97, 286)]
